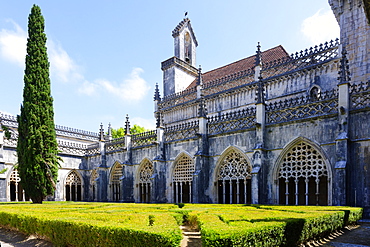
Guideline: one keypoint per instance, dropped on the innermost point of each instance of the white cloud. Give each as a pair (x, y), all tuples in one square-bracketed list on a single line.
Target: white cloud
[(62, 66), (88, 88), (13, 44), (134, 88), (143, 122), (320, 27)]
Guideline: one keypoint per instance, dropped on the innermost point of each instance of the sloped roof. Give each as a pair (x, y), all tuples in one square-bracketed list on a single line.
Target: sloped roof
[(268, 56)]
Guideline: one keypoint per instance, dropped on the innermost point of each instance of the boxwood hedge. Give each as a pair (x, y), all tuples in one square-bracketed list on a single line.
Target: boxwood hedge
[(120, 224)]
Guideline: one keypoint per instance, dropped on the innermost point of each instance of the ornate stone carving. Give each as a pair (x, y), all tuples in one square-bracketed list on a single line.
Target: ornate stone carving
[(184, 170), (73, 179), (146, 172), (234, 166)]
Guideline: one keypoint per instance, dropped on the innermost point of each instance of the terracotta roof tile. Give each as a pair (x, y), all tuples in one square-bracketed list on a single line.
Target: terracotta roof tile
[(268, 56)]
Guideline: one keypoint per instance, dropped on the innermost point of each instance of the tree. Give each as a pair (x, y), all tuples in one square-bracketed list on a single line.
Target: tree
[(136, 129), (120, 132), (117, 133), (37, 147)]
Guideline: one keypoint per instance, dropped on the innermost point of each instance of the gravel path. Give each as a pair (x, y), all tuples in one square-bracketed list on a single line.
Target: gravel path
[(191, 237), (351, 236), (10, 238)]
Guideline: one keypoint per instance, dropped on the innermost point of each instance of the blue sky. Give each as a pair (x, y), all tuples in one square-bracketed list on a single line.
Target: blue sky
[(105, 56)]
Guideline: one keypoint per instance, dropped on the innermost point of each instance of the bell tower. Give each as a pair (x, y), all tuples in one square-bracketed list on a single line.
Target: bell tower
[(185, 42), (180, 70)]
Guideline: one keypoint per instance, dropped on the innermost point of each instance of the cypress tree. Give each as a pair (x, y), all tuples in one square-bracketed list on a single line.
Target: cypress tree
[(37, 147)]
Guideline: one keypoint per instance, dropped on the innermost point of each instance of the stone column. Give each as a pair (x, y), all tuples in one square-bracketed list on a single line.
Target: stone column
[(102, 184), (159, 181), (258, 172), (127, 142), (201, 177), (127, 181), (258, 181), (159, 177), (342, 140), (254, 181)]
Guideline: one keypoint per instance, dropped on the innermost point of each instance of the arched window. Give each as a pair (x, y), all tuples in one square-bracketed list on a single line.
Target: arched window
[(182, 179), (187, 47), (315, 93), (234, 179), (16, 191), (115, 182), (303, 177), (145, 181), (73, 187), (93, 186)]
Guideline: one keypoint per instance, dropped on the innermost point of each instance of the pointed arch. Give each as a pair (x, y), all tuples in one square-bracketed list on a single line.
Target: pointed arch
[(182, 177), (187, 48), (233, 176), (314, 92), (73, 186), (14, 188), (93, 185), (144, 180), (302, 174), (115, 180)]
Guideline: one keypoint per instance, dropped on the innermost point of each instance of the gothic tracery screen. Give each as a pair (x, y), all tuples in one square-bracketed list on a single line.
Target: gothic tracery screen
[(234, 166), (16, 191), (146, 172), (73, 187), (184, 170), (234, 179), (303, 176), (115, 182), (145, 182), (182, 179), (73, 179)]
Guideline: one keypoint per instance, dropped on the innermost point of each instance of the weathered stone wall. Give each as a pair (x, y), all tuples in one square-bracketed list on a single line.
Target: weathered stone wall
[(359, 165), (354, 35), (300, 82), (321, 131)]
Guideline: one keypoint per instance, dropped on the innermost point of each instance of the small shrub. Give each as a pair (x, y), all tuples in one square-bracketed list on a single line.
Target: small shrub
[(192, 221), (151, 220)]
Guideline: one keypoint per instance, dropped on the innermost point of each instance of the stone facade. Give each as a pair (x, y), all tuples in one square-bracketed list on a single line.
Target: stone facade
[(272, 128)]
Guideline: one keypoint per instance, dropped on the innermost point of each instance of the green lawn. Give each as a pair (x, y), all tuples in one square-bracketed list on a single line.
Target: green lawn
[(129, 224)]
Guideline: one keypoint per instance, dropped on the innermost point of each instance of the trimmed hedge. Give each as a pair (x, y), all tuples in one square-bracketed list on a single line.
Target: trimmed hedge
[(272, 225), (120, 224), (215, 232), (78, 227)]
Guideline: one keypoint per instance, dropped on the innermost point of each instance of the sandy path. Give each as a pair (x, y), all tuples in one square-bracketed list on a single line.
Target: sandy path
[(9, 238)]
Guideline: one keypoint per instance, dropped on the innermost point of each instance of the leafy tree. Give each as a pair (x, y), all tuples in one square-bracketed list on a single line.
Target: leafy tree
[(37, 147), (120, 132), (6, 130), (136, 129), (117, 133)]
